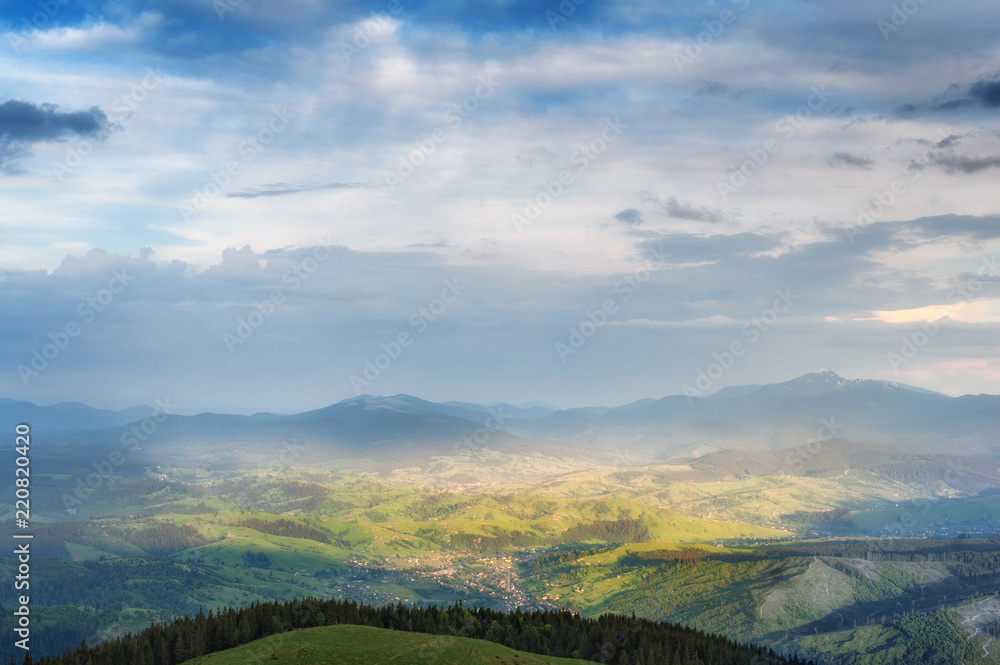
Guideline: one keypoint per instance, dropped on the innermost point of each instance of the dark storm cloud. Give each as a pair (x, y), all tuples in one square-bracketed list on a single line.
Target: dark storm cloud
[(715, 88), (675, 208), (847, 159), (728, 90), (981, 94), (24, 121), (987, 93), (964, 163), (630, 216), (23, 124)]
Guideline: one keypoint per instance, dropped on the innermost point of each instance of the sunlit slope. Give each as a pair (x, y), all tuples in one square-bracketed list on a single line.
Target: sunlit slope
[(844, 599)]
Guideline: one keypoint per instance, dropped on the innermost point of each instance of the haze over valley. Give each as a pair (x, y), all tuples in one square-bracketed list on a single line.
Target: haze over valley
[(722, 512)]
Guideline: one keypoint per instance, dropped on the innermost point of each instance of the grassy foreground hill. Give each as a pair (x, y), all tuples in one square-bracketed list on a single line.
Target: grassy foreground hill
[(364, 645), (296, 632)]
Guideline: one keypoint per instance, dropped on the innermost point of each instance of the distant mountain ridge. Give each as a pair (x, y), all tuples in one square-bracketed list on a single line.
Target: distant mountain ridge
[(816, 406), (66, 416), (825, 381)]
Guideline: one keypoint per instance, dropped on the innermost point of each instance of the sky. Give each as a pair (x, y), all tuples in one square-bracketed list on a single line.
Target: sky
[(250, 206)]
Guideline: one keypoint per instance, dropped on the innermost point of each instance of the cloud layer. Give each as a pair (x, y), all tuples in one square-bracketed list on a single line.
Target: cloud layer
[(312, 325), (544, 153)]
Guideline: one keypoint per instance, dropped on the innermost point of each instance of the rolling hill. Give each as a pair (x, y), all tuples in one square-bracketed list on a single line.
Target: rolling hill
[(363, 645)]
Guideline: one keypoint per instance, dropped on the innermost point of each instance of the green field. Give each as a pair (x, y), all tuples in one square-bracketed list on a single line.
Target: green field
[(362, 645), (969, 515)]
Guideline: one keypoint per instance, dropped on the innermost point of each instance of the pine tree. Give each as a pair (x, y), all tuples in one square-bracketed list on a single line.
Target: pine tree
[(182, 650), (583, 650), (243, 633)]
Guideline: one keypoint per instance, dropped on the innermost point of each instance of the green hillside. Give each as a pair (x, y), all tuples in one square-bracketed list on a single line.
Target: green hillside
[(364, 645), (865, 601), (290, 627), (969, 515)]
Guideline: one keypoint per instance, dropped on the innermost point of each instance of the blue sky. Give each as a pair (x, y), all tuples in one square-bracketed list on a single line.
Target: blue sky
[(622, 190)]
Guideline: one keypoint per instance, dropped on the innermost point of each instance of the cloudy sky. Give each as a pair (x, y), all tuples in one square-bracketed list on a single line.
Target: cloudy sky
[(247, 205)]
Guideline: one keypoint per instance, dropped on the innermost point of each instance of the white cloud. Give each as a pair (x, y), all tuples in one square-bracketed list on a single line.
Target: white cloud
[(100, 35)]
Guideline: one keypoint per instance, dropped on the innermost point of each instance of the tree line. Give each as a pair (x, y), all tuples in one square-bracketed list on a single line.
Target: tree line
[(286, 528), (610, 531), (612, 639)]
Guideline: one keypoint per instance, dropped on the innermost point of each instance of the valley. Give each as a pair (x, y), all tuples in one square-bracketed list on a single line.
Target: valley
[(836, 549)]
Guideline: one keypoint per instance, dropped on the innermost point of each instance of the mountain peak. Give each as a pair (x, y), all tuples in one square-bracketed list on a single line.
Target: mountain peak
[(820, 382), (825, 381)]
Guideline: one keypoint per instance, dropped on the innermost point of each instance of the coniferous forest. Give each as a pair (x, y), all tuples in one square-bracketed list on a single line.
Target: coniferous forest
[(611, 639)]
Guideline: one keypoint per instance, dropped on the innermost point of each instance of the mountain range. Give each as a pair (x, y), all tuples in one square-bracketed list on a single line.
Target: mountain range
[(814, 407)]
